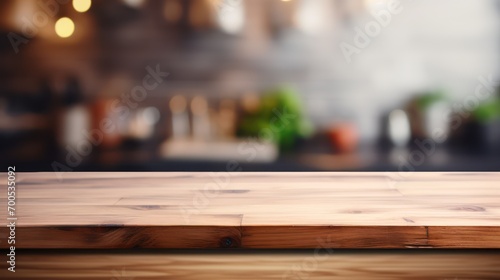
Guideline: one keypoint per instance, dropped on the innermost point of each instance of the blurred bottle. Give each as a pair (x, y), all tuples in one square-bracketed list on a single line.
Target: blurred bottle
[(225, 120), (75, 119), (201, 118), (106, 122), (398, 128), (180, 117), (49, 108)]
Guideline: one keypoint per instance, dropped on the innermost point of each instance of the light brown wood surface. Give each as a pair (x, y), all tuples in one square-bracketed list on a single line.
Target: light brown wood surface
[(256, 210), (416, 265)]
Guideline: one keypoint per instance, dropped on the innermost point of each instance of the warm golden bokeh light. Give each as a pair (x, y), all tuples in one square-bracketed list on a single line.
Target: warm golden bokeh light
[(82, 5), (64, 27)]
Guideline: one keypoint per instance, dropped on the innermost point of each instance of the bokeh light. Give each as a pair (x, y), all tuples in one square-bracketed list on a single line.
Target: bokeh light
[(82, 5), (64, 27)]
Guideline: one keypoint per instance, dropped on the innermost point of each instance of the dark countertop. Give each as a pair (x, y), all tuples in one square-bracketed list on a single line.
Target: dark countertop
[(366, 159), (312, 155)]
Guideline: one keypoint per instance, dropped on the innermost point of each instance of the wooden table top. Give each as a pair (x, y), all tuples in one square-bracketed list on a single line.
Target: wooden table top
[(256, 210)]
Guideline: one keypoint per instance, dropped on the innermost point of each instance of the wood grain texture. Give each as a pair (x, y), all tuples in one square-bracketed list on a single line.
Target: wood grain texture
[(256, 210), (415, 265)]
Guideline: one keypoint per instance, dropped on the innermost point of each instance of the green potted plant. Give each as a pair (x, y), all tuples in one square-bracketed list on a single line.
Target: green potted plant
[(279, 118)]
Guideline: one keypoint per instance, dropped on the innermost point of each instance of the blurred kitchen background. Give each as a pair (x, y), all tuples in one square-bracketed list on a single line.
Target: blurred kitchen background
[(251, 85)]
